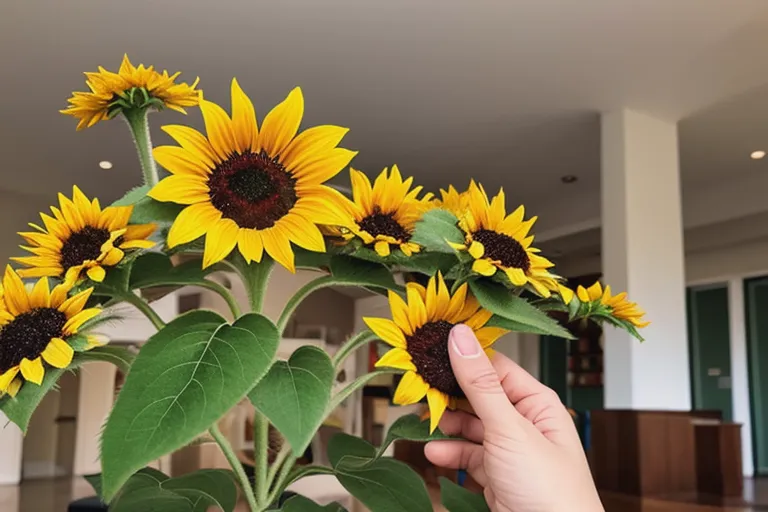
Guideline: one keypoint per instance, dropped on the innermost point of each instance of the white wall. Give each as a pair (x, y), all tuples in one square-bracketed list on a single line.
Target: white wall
[(97, 388), (11, 440)]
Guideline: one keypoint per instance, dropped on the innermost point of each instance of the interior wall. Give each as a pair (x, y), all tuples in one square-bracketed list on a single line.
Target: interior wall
[(41, 440), (11, 439), (328, 308), (97, 390)]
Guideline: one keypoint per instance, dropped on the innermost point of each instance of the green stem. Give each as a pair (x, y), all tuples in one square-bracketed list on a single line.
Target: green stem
[(283, 454), (261, 457), (137, 121), (282, 479), (255, 277), (351, 345), (287, 477), (225, 294), (357, 384), (237, 466), (146, 309), (303, 293)]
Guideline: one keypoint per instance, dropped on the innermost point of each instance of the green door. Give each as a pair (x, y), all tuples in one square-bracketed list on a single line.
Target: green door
[(553, 365), (756, 303), (710, 346)]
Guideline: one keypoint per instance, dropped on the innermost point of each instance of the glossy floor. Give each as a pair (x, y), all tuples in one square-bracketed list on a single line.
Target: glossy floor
[(55, 495)]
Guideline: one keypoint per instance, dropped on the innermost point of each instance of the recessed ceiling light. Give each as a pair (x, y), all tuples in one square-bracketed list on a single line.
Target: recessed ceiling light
[(105, 164), (569, 178), (757, 155)]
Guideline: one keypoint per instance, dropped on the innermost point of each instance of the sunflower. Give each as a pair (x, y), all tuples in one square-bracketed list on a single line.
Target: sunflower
[(35, 326), (419, 332), (259, 189), (618, 305), (130, 87), (386, 213), (454, 201), (81, 237), (498, 241)]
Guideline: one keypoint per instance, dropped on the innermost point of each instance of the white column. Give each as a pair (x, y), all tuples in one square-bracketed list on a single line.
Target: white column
[(11, 443), (742, 411), (97, 394), (643, 254)]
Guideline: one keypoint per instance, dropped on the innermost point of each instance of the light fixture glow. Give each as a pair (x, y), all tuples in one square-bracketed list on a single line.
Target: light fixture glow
[(105, 164), (757, 155)]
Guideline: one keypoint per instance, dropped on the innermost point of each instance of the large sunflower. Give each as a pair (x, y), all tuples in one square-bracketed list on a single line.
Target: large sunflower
[(419, 332), (386, 213), (618, 305), (110, 92), (498, 241), (35, 326), (259, 189), (81, 237)]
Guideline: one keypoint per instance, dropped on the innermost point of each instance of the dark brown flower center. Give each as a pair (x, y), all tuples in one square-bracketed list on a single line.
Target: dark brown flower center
[(428, 346), (28, 334), (378, 223), (82, 246), (252, 189), (503, 248)]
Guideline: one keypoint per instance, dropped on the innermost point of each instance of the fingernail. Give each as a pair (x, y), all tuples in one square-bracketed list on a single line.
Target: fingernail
[(464, 342)]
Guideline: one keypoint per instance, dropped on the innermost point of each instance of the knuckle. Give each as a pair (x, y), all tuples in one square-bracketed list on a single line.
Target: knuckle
[(551, 396), (486, 381)]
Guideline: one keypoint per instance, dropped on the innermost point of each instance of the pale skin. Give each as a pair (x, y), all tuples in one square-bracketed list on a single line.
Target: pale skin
[(521, 444)]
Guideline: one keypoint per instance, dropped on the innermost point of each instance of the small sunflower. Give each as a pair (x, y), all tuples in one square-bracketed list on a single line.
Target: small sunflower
[(498, 241), (81, 237), (419, 332), (257, 189), (386, 213), (130, 87), (454, 201), (34, 328), (618, 305)]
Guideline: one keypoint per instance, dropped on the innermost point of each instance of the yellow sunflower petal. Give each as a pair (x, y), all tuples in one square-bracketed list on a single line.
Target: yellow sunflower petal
[(282, 123), (516, 276), (218, 126), (73, 305), (311, 143), (243, 119), (387, 330), (277, 245), (396, 358), (14, 292), (13, 387), (566, 293), (438, 401), (192, 223), (179, 162), (487, 336), (456, 304), (484, 267), (479, 319), (75, 322), (219, 241), (249, 244), (595, 291), (59, 294), (382, 248), (400, 312), (96, 273), (417, 310), (303, 233), (7, 377), (197, 146), (180, 189), (412, 388), (582, 293), (113, 257), (476, 249), (58, 353), (33, 370), (41, 294)]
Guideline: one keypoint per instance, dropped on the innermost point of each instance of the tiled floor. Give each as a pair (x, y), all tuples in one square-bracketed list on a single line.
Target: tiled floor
[(55, 495)]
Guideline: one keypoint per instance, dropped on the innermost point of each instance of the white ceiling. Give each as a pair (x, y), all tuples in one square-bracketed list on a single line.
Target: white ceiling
[(507, 92)]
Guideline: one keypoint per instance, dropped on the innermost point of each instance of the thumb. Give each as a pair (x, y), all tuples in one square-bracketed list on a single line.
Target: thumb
[(479, 381)]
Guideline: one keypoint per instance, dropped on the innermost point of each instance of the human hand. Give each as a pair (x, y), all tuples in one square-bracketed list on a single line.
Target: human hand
[(522, 445)]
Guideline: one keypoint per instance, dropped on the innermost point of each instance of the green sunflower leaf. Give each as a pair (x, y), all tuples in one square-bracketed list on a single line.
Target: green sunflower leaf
[(435, 229), (295, 394), (411, 428), (300, 503), (156, 269), (352, 271), (206, 488), (458, 499), (146, 210), (310, 259), (503, 303), (19, 409), (186, 377), (381, 484), (121, 357), (132, 196)]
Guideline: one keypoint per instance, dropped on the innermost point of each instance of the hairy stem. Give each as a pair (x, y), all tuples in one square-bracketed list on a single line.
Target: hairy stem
[(145, 308), (261, 457), (225, 294), (303, 293), (255, 278), (283, 454), (281, 482), (237, 467), (137, 121), (361, 338)]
